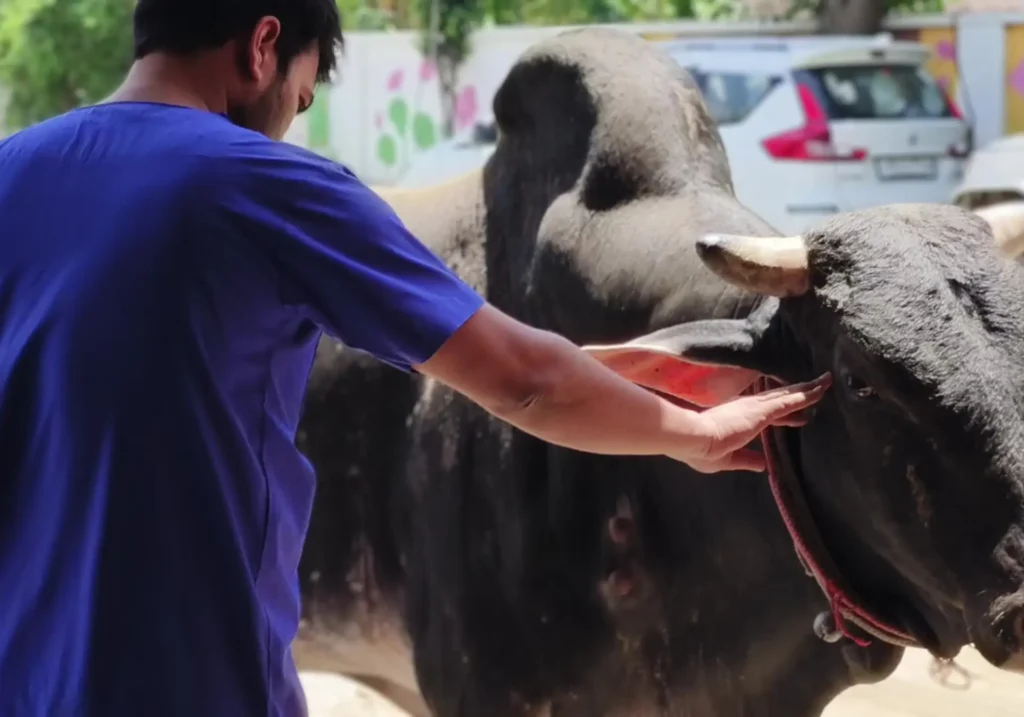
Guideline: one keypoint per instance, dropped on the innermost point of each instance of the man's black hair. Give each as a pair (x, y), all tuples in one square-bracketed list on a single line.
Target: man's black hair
[(181, 27)]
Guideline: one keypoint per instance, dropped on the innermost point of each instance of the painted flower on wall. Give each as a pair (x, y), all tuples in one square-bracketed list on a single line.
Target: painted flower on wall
[(1016, 79), (395, 80), (401, 125), (465, 107)]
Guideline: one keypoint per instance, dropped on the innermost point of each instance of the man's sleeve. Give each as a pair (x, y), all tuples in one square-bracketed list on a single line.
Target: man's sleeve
[(345, 256)]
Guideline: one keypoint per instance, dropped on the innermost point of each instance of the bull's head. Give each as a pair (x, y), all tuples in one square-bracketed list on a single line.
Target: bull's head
[(913, 465)]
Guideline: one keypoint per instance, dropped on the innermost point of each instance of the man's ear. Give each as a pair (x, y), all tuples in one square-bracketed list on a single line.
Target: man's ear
[(702, 362)]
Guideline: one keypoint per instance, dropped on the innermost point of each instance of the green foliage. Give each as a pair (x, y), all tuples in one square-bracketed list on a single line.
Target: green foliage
[(455, 22), (448, 26), (58, 54), (570, 12), (915, 6), (892, 7), (358, 15)]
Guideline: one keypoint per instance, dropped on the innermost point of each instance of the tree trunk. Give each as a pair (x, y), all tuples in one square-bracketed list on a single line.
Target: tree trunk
[(447, 81), (851, 17)]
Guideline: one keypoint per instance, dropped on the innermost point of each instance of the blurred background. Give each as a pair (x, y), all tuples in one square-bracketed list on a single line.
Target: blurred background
[(824, 105)]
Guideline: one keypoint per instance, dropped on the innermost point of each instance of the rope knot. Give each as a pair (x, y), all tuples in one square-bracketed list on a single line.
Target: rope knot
[(838, 603)]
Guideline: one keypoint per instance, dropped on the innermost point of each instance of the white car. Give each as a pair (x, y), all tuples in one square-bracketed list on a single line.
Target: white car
[(814, 126), (993, 186), (994, 174)]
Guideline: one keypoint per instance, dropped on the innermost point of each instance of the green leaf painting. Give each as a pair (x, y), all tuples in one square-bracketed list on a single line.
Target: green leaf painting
[(318, 122), (387, 150), (423, 131), (403, 128), (398, 111)]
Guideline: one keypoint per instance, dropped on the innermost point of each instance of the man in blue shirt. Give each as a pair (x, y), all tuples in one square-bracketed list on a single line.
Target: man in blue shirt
[(166, 268)]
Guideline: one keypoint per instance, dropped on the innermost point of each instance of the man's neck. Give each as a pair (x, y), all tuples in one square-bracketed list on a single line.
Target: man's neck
[(174, 81)]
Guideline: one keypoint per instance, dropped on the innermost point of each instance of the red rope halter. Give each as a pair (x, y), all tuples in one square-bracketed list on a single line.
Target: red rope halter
[(844, 609)]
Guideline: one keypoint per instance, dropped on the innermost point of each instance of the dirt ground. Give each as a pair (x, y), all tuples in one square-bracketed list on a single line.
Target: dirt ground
[(977, 691)]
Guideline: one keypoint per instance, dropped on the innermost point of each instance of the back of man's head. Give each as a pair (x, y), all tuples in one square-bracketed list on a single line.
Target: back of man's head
[(183, 27)]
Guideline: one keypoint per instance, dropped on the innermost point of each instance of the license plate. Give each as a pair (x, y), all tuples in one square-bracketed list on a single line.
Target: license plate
[(906, 168)]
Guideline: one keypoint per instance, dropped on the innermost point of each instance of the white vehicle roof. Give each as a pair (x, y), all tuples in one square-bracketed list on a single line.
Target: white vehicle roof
[(996, 167), (775, 55)]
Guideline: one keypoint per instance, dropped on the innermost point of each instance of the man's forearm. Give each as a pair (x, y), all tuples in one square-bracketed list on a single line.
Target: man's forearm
[(581, 404)]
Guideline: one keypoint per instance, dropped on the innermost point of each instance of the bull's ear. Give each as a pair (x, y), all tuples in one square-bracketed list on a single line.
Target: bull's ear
[(702, 362)]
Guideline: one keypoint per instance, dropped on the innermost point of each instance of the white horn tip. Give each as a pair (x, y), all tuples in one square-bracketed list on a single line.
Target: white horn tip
[(710, 242)]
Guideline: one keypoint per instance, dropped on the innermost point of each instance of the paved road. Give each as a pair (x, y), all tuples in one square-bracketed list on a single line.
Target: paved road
[(910, 692)]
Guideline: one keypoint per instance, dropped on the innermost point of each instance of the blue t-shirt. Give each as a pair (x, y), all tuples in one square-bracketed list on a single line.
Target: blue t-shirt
[(164, 279)]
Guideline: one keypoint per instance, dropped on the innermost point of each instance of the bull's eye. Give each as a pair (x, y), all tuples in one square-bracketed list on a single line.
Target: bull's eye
[(858, 388)]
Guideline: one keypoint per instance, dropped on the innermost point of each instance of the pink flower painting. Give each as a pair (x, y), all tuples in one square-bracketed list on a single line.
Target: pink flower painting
[(465, 107), (1017, 79)]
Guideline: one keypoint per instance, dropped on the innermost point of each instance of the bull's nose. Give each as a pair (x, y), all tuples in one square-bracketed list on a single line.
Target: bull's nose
[(1002, 644)]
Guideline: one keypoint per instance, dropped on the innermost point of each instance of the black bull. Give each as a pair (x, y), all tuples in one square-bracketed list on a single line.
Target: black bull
[(502, 576)]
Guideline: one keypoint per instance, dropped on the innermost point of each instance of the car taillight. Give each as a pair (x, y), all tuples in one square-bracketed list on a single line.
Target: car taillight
[(954, 108), (813, 141), (960, 149)]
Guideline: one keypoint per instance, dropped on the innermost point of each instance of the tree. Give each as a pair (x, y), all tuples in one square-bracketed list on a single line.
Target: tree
[(447, 28), (369, 15), (56, 55), (859, 17)]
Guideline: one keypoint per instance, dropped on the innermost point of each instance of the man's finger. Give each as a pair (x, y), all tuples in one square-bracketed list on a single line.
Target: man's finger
[(745, 459), (822, 381), (797, 419), (793, 398)]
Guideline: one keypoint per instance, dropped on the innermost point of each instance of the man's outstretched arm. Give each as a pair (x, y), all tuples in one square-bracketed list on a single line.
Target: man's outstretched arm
[(550, 388), (349, 262)]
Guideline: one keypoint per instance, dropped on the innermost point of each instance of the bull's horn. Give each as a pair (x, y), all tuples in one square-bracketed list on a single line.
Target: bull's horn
[(776, 266), (1007, 222)]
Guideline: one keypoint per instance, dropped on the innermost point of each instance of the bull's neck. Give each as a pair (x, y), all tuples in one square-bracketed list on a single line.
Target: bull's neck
[(710, 583), (881, 588)]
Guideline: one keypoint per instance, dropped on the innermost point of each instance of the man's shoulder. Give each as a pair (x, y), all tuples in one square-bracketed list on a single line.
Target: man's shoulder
[(287, 179), (258, 156)]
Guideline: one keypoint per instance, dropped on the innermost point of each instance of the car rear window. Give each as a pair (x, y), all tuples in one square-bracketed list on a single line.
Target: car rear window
[(731, 96), (878, 92)]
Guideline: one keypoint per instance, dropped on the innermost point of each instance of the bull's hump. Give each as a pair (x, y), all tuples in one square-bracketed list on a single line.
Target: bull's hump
[(448, 218)]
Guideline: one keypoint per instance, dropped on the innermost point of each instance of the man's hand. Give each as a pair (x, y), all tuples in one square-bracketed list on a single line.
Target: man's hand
[(730, 427)]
